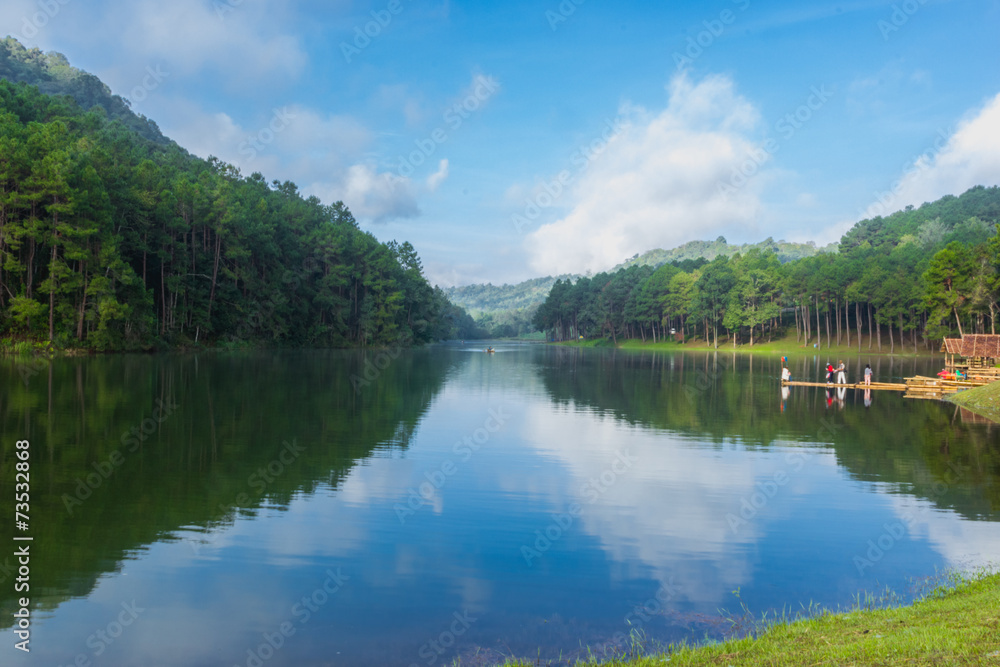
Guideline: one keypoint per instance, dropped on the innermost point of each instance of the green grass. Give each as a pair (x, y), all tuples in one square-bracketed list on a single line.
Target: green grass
[(787, 346), (956, 624), (23, 348), (590, 342), (983, 400)]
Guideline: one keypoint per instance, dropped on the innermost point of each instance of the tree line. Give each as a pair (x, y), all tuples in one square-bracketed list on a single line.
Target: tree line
[(915, 276), (111, 241)]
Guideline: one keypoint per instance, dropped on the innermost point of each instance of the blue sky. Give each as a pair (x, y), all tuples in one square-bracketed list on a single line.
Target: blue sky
[(527, 138)]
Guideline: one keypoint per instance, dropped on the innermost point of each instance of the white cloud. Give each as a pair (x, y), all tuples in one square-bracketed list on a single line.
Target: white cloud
[(325, 155), (435, 180), (294, 139), (964, 544), (371, 195), (694, 536), (243, 41), (970, 156), (657, 184), (398, 97)]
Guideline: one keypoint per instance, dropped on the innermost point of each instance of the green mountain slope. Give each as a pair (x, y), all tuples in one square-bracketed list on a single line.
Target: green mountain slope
[(785, 250), (114, 238), (490, 298), (53, 75)]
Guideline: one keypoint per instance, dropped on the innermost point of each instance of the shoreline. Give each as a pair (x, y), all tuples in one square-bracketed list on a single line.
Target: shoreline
[(983, 401), (955, 623), (782, 347)]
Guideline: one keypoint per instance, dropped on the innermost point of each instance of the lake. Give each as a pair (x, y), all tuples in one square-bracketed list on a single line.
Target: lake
[(416, 507)]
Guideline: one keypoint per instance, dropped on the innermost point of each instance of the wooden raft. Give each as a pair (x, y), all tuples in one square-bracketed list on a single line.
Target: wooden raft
[(889, 386), (926, 387), (915, 387)]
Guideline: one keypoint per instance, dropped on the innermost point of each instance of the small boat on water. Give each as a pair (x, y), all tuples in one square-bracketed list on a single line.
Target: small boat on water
[(489, 350)]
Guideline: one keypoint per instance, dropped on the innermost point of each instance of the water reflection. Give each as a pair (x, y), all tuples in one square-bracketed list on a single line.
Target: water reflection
[(473, 505)]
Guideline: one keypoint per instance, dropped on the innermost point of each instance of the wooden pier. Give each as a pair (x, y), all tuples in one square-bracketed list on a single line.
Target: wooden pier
[(979, 366), (890, 386), (915, 387)]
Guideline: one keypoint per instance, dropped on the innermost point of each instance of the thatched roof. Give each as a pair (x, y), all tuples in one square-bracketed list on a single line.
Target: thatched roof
[(981, 345), (974, 345), (953, 345)]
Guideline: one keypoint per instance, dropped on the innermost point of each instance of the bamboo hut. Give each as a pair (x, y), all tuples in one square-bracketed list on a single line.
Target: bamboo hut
[(952, 346), (979, 352)]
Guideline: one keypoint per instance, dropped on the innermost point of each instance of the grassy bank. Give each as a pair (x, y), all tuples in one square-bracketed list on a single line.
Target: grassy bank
[(592, 342), (983, 400), (10, 347), (958, 624), (787, 346)]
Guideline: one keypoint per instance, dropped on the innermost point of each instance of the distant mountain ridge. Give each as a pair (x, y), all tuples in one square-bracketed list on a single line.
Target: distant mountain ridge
[(785, 250), (490, 298), (53, 75)]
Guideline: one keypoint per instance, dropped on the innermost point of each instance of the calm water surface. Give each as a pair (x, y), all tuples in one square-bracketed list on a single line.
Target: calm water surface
[(342, 508)]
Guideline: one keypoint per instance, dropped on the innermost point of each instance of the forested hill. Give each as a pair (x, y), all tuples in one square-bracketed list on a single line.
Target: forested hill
[(924, 272), (53, 75), (504, 311), (112, 241), (709, 250), (490, 298)]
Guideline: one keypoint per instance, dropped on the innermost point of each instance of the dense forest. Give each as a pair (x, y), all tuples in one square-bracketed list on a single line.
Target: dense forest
[(111, 240), (508, 311), (924, 272), (709, 250)]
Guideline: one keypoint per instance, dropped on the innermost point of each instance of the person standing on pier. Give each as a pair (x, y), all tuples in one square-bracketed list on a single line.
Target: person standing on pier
[(868, 374), (841, 373)]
